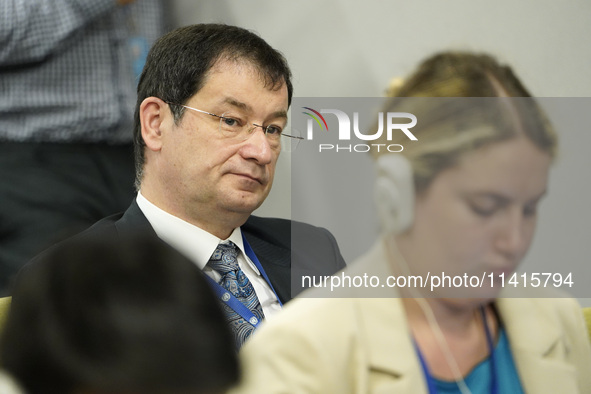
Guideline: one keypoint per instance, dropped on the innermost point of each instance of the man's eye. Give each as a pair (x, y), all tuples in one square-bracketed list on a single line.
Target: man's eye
[(274, 130), (230, 122)]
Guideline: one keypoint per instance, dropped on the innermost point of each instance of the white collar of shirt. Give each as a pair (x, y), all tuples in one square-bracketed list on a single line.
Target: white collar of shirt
[(195, 243)]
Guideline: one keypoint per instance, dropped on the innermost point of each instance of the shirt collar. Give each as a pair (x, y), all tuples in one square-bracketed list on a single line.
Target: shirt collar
[(195, 243)]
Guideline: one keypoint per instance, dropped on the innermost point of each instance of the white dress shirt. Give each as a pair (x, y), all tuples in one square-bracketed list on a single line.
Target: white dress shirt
[(198, 245)]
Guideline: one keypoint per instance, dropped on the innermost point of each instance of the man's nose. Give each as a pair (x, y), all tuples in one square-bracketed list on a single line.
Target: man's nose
[(257, 146)]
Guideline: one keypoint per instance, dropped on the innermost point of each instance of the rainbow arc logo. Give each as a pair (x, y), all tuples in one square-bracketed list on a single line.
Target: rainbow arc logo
[(318, 115)]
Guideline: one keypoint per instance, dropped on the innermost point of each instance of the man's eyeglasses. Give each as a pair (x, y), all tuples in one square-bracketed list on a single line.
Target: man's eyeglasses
[(232, 126)]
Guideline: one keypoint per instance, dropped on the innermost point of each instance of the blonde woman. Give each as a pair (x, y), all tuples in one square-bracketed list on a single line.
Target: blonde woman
[(462, 200)]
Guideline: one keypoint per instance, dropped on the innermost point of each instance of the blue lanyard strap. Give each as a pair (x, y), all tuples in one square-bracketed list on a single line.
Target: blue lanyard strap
[(495, 384), (491, 349), (257, 263), (227, 298), (430, 381)]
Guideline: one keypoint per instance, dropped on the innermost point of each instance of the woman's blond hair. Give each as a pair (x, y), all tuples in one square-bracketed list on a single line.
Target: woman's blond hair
[(463, 101)]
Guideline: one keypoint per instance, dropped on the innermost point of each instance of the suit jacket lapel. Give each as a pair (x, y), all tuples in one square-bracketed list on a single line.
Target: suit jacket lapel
[(273, 253), (274, 256)]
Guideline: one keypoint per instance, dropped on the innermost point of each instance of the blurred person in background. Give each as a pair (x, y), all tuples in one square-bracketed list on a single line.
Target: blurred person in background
[(463, 200), (116, 315), (68, 73)]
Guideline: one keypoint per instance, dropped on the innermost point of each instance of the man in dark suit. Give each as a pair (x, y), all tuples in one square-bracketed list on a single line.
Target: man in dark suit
[(211, 111)]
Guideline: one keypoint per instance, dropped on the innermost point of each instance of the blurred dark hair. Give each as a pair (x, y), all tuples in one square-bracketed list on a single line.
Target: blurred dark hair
[(177, 65), (117, 315)]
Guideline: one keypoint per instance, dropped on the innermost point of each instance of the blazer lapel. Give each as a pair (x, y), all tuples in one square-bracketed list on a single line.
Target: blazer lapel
[(537, 343), (538, 347), (393, 363)]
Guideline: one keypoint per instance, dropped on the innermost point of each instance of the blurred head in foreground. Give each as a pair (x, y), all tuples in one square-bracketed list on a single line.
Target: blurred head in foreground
[(126, 315), (463, 198)]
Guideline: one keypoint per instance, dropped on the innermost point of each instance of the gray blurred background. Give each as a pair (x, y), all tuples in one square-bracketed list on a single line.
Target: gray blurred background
[(347, 48)]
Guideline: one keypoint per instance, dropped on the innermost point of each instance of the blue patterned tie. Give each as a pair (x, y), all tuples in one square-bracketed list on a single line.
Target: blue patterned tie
[(224, 260)]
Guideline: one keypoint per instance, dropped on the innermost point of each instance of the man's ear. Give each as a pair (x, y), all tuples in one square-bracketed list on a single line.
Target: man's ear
[(153, 114)]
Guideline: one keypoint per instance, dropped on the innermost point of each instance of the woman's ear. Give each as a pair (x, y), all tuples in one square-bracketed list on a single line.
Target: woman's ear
[(153, 112), (394, 193)]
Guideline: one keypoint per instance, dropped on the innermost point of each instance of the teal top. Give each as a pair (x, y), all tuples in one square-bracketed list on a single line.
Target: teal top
[(479, 380)]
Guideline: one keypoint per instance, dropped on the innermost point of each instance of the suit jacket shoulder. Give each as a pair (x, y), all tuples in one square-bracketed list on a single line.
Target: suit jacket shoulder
[(130, 222), (124, 223), (283, 247)]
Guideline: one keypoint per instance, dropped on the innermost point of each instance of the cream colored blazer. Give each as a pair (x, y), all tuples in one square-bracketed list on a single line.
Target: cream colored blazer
[(362, 345)]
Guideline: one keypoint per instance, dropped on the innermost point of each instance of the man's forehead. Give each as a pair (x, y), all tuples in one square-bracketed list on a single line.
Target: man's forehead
[(222, 88), (244, 67)]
